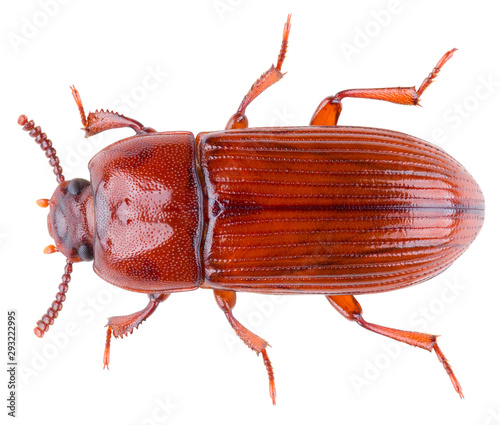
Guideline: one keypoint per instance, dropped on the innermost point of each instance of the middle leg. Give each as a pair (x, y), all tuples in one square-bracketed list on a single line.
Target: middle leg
[(272, 75), (226, 300)]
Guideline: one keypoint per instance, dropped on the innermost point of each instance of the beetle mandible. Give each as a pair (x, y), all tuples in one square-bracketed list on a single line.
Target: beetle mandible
[(321, 209)]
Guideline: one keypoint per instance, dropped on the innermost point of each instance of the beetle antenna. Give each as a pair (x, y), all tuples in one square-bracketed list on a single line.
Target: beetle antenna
[(45, 144), (48, 318)]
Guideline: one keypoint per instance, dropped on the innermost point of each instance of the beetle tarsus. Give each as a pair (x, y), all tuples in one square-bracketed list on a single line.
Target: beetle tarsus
[(79, 103), (107, 348), (270, 374), (284, 43), (449, 370), (446, 57)]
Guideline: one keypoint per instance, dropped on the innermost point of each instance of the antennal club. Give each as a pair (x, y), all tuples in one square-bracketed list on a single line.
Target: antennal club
[(45, 144), (48, 318)]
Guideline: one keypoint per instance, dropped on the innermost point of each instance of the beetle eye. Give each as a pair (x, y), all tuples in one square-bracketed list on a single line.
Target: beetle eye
[(75, 186), (85, 252)]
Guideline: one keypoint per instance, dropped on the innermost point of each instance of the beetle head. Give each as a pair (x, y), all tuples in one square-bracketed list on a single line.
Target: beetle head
[(70, 221)]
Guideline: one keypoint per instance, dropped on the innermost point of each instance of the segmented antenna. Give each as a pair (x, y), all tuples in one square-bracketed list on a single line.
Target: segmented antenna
[(45, 144), (42, 326)]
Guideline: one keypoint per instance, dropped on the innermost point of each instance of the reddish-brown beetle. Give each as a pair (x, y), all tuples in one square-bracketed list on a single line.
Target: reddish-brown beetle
[(322, 209)]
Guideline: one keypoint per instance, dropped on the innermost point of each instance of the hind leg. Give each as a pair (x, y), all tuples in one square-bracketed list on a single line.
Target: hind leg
[(349, 307), (329, 109)]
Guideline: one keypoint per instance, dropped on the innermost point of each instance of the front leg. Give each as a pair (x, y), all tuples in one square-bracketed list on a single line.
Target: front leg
[(102, 120), (121, 326)]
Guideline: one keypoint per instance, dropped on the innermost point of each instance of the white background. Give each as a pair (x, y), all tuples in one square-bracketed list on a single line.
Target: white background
[(184, 365)]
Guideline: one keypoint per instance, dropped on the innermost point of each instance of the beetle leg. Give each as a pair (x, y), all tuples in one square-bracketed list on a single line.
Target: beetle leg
[(226, 301), (267, 79), (349, 307), (121, 326), (102, 120), (329, 109)]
